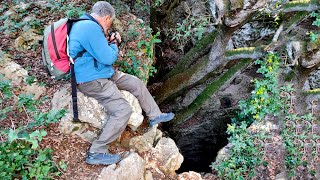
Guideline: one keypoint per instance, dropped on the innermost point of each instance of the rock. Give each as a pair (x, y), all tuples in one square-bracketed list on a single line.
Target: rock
[(281, 176), (306, 86), (66, 126), (191, 95), (88, 136), (35, 90), (223, 153), (145, 142), (132, 167), (191, 175), (249, 33), (313, 104), (217, 11), (236, 4), (22, 6), (4, 59), (148, 176), (90, 111), (136, 118), (10, 12), (28, 19), (165, 156), (14, 72), (27, 40), (18, 43), (314, 79)]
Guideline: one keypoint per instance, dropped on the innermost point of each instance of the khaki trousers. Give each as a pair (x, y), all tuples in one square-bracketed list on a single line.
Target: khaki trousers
[(118, 110)]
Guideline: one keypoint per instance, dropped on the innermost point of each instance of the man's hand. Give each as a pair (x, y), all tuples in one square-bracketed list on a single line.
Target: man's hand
[(114, 37)]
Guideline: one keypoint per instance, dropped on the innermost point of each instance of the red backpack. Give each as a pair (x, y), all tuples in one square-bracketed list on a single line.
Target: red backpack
[(55, 55)]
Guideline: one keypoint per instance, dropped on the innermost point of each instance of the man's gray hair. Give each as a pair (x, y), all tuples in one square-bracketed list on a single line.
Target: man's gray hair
[(102, 8)]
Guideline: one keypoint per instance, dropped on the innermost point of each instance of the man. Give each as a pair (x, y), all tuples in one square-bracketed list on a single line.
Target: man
[(96, 78)]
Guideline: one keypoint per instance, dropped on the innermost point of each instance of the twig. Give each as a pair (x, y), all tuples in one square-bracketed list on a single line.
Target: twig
[(276, 36), (12, 124), (26, 113), (58, 167)]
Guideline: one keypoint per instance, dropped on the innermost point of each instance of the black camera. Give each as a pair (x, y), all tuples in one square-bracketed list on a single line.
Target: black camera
[(110, 34)]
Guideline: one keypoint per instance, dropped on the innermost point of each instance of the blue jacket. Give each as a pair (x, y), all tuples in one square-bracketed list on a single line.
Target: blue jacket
[(88, 35)]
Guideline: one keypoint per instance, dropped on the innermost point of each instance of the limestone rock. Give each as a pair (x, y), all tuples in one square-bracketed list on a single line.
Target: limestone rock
[(250, 33), (165, 157), (314, 79), (148, 176), (90, 111), (14, 72), (136, 118), (145, 142), (132, 167), (27, 40), (35, 90), (88, 136), (281, 176), (4, 59), (66, 126), (191, 175), (236, 4), (223, 153)]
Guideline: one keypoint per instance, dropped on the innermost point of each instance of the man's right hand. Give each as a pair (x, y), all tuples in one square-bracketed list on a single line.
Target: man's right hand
[(115, 38)]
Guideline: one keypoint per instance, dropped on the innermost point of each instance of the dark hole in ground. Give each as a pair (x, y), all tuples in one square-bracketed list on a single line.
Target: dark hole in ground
[(200, 140)]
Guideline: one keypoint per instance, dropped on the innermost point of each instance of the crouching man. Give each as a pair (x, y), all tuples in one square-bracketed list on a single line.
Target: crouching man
[(96, 78)]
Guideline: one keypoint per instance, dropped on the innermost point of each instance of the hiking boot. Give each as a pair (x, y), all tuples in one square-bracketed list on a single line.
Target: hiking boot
[(163, 117), (102, 158)]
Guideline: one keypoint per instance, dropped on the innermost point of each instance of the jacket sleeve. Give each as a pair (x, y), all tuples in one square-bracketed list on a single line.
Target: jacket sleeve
[(95, 43)]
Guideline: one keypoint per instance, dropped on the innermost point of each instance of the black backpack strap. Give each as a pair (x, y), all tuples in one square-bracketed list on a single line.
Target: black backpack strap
[(74, 89), (74, 95)]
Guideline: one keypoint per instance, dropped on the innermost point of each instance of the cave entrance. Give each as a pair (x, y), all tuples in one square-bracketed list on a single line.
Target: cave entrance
[(200, 139)]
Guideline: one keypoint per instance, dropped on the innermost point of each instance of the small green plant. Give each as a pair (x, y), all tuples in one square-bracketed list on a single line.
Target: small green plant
[(19, 159), (149, 45), (314, 37), (52, 116), (244, 155), (191, 28), (132, 66), (20, 154), (35, 24), (5, 88), (30, 80), (27, 101), (265, 98), (4, 112)]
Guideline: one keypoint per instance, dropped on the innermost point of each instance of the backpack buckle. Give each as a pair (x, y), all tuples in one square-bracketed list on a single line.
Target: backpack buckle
[(71, 60)]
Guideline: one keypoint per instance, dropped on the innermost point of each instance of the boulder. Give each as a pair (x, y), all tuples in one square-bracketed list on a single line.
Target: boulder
[(27, 40), (145, 142), (191, 175), (132, 167), (35, 90), (165, 157), (90, 111), (14, 72), (314, 79)]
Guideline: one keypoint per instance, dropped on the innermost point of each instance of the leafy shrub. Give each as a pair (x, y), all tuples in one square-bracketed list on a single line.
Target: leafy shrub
[(19, 160), (20, 155)]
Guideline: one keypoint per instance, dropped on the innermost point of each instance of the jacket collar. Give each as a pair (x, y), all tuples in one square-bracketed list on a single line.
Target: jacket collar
[(93, 19)]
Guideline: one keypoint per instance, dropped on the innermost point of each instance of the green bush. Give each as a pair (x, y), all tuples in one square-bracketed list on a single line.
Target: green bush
[(19, 160)]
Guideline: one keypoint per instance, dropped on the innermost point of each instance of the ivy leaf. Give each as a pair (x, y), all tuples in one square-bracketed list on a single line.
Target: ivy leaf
[(12, 135), (156, 41), (316, 22)]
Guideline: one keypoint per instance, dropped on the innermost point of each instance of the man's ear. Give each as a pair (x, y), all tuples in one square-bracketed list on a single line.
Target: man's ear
[(108, 17)]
